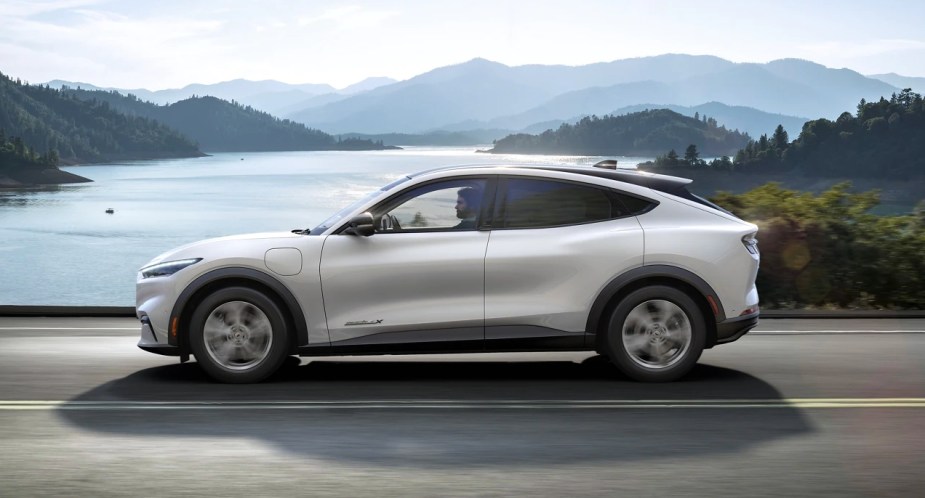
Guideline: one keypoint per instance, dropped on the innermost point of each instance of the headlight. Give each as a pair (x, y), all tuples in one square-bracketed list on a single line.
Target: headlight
[(167, 268)]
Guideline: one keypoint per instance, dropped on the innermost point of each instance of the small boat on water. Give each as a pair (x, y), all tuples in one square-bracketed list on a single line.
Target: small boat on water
[(110, 210)]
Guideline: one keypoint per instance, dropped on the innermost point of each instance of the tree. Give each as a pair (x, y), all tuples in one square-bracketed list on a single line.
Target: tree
[(780, 139), (722, 164), (691, 156)]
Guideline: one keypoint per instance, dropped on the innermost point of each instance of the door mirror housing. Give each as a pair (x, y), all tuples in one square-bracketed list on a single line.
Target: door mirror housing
[(361, 224)]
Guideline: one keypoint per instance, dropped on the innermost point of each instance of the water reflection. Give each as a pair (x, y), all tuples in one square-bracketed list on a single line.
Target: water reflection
[(24, 196)]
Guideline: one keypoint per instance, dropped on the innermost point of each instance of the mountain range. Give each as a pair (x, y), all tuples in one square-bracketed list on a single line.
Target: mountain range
[(485, 95)]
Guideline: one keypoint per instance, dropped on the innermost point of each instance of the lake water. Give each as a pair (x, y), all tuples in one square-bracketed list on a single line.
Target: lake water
[(58, 246)]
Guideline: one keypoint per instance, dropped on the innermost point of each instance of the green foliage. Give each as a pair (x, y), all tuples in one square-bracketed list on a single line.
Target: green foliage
[(15, 154), (691, 161), (828, 250), (640, 133), (883, 140), (50, 120), (691, 156)]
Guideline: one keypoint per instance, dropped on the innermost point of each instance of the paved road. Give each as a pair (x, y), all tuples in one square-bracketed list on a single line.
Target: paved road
[(800, 407)]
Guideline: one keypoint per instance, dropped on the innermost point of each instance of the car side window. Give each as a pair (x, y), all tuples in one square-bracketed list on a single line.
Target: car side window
[(536, 203), (447, 205)]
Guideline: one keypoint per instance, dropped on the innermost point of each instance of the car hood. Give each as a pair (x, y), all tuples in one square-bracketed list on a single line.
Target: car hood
[(193, 249)]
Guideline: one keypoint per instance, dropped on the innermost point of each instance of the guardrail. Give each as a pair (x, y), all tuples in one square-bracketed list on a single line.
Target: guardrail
[(129, 311)]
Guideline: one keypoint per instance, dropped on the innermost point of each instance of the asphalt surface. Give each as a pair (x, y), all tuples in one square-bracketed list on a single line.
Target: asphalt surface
[(800, 407)]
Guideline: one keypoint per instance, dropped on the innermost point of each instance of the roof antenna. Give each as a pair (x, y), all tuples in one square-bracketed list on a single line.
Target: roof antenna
[(607, 164)]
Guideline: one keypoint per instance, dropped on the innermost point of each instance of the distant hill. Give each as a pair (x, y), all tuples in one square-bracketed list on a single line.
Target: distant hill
[(744, 119), (218, 125), (448, 138), (79, 131), (485, 94), (270, 96), (645, 133), (478, 90), (789, 87), (240, 90), (917, 84), (366, 85)]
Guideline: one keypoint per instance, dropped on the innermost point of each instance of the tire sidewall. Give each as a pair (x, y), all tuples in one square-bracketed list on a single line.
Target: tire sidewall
[(621, 358), (278, 348)]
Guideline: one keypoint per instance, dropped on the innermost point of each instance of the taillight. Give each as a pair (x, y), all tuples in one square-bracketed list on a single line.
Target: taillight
[(750, 311), (751, 243)]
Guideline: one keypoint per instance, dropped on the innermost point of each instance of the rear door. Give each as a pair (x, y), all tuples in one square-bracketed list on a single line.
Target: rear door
[(554, 245)]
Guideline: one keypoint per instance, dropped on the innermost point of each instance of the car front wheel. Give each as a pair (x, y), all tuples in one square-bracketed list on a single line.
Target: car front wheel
[(656, 334), (238, 335)]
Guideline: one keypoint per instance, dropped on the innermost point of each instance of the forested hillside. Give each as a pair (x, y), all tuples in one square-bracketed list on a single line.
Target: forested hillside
[(47, 120), (21, 166), (218, 125), (641, 133), (884, 139)]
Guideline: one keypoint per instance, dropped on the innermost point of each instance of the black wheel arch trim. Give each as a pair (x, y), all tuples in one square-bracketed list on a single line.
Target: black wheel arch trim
[(626, 279), (182, 312)]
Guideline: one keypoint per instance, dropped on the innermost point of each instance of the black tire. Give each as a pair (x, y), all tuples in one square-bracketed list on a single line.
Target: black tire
[(656, 334), (238, 335)]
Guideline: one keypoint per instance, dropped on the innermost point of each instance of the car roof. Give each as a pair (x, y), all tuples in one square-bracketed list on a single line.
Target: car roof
[(655, 181)]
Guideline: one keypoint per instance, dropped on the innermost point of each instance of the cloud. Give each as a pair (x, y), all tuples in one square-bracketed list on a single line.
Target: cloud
[(28, 8), (349, 18), (92, 42)]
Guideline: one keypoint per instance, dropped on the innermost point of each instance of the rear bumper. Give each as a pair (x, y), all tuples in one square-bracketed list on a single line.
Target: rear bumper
[(732, 329)]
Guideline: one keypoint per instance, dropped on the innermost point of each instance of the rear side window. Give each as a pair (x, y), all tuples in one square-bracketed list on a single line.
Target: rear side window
[(534, 203), (635, 205)]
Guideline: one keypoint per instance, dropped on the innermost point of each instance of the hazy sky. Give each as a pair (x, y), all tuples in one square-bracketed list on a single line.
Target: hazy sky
[(171, 43)]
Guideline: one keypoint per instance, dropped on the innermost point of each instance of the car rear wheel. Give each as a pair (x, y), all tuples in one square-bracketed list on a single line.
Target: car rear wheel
[(238, 335), (656, 334)]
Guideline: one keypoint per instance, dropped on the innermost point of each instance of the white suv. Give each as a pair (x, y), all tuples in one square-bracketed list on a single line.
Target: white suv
[(468, 259)]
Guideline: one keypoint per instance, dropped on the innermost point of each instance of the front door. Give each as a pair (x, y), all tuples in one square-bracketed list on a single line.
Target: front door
[(419, 279)]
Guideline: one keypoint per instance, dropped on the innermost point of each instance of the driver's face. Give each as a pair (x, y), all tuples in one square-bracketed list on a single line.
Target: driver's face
[(461, 207)]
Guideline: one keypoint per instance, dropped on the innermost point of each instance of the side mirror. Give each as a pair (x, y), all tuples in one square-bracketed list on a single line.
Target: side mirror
[(361, 224)]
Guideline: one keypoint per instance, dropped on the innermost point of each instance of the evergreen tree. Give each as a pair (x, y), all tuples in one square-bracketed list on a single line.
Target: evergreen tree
[(780, 139), (691, 156)]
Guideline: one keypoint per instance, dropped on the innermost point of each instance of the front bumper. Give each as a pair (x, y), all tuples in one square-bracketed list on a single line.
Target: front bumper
[(148, 341), (733, 328)]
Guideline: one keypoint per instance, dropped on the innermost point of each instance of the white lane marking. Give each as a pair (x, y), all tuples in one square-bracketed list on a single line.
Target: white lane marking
[(785, 332), (465, 405), (72, 328)]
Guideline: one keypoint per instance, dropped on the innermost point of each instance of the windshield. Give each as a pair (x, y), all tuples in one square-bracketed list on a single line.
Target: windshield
[(336, 217)]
